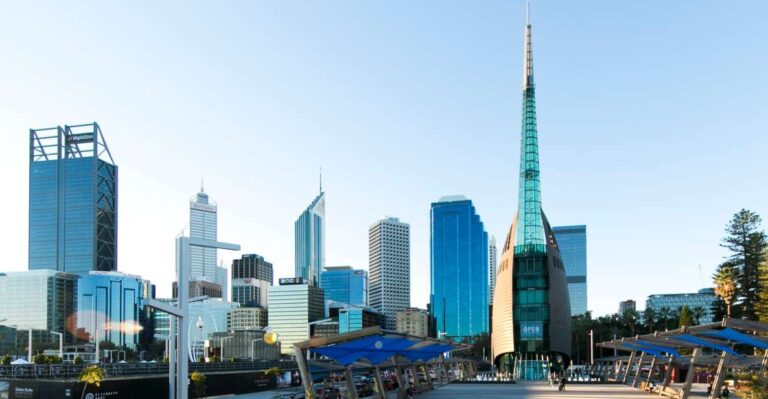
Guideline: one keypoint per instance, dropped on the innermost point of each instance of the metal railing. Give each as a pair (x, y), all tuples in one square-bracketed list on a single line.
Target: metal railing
[(64, 371)]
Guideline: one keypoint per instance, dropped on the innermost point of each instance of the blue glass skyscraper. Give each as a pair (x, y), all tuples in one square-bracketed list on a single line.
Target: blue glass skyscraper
[(459, 269), (110, 307), (345, 284), (72, 200), (573, 250), (309, 234)]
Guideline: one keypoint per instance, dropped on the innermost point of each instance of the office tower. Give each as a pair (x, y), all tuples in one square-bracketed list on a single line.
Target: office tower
[(531, 308), (42, 300), (704, 299), (199, 287), (389, 268), (345, 284), (110, 307), (572, 241), (293, 305), (72, 200), (352, 317), (629, 304), (309, 235), (459, 269), (413, 321), (250, 318), (203, 223), (251, 278), (492, 259)]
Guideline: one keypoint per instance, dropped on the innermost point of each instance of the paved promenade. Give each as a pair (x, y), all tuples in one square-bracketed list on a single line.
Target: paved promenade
[(527, 391)]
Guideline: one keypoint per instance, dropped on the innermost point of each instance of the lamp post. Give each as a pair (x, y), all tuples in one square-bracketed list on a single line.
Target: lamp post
[(270, 338), (29, 351), (97, 355), (222, 346), (61, 343)]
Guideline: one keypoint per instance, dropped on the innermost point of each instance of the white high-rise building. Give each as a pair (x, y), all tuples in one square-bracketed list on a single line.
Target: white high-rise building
[(389, 268), (492, 253), (203, 223)]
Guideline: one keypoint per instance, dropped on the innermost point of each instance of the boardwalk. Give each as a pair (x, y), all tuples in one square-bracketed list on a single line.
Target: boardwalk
[(527, 391)]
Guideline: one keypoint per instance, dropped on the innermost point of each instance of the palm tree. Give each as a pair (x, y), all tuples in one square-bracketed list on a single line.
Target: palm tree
[(698, 313), (650, 315), (664, 314), (725, 286)]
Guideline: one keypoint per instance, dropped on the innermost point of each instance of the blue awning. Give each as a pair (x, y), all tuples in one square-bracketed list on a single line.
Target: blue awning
[(642, 348), (735, 336), (698, 341), (379, 348), (659, 348)]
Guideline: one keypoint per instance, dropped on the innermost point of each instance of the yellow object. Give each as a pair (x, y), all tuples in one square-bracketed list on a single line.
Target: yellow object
[(270, 338)]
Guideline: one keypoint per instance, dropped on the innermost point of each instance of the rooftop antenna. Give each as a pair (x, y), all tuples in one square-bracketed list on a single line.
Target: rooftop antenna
[(701, 274), (321, 180), (527, 12), (202, 186)]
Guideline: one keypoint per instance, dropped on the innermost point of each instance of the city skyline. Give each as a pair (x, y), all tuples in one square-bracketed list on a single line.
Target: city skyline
[(610, 137)]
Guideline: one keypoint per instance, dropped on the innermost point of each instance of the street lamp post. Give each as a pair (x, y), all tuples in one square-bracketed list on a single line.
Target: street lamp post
[(269, 337), (61, 343), (222, 346)]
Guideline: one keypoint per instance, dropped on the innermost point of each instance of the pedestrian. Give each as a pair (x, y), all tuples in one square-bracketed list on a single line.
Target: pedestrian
[(726, 392), (561, 387)]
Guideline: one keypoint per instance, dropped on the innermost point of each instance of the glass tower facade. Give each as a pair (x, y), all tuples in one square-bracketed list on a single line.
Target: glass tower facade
[(459, 269), (39, 300), (704, 299), (110, 306), (72, 200), (573, 248), (251, 278), (309, 235), (203, 223), (345, 284), (531, 317), (291, 308)]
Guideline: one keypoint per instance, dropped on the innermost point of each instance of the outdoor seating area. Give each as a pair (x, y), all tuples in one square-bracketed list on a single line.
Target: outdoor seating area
[(705, 354), (372, 361)]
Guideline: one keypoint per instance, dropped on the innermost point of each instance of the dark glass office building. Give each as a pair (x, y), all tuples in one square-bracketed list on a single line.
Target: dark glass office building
[(72, 200), (345, 285), (531, 331), (573, 249), (458, 269)]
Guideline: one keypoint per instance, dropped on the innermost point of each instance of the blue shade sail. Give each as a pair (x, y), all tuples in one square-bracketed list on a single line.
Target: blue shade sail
[(735, 336), (698, 341), (377, 349)]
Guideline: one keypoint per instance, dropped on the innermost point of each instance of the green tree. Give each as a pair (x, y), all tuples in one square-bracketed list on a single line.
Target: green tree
[(747, 244), (698, 312), (78, 360), (686, 319), (92, 375), (629, 320), (725, 285), (761, 308), (664, 315), (650, 319), (6, 360)]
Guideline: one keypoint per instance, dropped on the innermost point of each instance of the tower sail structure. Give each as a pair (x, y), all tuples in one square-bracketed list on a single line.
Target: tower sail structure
[(531, 315)]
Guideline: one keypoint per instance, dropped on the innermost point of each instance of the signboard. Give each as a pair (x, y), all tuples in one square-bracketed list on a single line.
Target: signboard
[(293, 281), (202, 207), (531, 330), (80, 138)]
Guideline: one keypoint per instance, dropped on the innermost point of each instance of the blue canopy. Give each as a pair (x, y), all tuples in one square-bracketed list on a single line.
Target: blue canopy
[(642, 348), (735, 336), (660, 348), (698, 341), (378, 348)]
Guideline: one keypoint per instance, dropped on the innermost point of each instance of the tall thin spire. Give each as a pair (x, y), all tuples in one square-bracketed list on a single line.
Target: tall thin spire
[(202, 186), (321, 180), (530, 227)]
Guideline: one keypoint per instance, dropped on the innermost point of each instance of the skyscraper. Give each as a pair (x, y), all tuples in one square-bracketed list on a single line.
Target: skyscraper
[(72, 200), (573, 248), (458, 268), (292, 306), (309, 233), (203, 223), (345, 284), (389, 268), (251, 278), (531, 315), (492, 259)]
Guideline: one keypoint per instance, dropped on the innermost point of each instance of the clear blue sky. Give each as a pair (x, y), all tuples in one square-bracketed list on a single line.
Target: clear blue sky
[(652, 121)]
